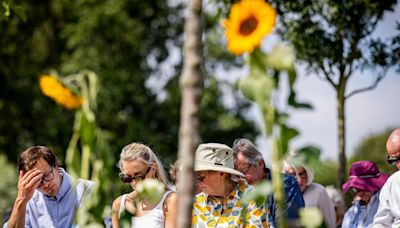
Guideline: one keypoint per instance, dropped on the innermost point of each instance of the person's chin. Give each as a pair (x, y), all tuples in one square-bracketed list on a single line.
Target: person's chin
[(50, 191)]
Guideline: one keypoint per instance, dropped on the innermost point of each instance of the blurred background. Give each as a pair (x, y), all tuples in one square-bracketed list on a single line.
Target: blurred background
[(134, 47)]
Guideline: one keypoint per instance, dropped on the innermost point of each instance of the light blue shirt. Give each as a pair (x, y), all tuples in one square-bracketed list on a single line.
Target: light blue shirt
[(360, 216), (59, 211)]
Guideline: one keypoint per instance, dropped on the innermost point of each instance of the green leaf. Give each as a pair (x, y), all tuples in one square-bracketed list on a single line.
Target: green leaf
[(258, 193)]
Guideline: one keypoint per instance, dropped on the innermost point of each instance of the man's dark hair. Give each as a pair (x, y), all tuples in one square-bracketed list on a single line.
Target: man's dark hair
[(29, 157)]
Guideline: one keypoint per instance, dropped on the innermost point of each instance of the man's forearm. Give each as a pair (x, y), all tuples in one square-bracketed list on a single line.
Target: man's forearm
[(17, 218)]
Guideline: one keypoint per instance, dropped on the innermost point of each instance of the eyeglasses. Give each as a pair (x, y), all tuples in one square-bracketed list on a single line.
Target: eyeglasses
[(128, 178), (393, 160), (244, 171), (302, 175), (356, 190), (47, 177)]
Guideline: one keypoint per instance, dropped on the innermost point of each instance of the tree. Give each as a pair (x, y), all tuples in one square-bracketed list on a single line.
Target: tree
[(191, 87), (124, 43), (373, 148), (335, 39)]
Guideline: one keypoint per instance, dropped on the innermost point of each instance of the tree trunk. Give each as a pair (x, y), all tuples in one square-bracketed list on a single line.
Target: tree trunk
[(341, 121), (191, 86)]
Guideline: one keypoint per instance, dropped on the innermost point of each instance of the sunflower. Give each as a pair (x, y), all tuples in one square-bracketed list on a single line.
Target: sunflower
[(249, 21), (54, 89)]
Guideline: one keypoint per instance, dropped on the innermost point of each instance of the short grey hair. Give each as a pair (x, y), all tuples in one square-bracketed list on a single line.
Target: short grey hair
[(247, 149), (139, 151)]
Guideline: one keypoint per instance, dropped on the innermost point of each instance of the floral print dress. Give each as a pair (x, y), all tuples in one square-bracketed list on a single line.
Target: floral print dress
[(209, 211)]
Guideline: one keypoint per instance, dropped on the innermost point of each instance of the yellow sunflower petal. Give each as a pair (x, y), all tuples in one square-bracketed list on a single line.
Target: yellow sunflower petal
[(54, 89), (249, 21)]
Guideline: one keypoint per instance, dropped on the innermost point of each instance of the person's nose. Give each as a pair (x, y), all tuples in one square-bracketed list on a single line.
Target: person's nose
[(44, 184)]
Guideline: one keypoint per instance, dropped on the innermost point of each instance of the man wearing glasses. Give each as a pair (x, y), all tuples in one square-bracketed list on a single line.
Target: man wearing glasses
[(249, 161), (46, 195), (388, 214)]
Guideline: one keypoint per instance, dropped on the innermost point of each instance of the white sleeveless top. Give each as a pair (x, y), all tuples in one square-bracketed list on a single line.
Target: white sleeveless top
[(155, 218)]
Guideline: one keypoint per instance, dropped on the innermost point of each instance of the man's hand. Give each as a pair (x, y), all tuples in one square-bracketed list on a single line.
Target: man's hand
[(27, 184)]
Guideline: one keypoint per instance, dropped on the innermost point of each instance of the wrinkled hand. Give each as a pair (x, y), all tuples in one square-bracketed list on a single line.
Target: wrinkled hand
[(27, 183)]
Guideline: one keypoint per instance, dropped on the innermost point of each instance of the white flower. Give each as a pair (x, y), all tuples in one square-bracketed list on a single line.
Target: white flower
[(150, 189), (282, 57), (310, 217)]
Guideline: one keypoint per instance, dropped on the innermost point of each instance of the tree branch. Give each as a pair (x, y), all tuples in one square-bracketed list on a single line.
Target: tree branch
[(371, 87), (327, 77)]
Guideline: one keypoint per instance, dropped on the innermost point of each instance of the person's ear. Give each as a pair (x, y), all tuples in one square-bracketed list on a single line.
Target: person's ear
[(261, 163)]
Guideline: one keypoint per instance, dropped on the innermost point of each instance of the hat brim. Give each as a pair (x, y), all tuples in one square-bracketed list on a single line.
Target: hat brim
[(202, 167), (366, 184)]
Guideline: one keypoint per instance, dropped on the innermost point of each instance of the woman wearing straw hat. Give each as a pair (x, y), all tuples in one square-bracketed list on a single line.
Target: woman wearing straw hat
[(365, 181), (219, 205)]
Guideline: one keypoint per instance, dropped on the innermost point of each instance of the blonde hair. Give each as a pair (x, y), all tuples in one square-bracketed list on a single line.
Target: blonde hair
[(136, 151)]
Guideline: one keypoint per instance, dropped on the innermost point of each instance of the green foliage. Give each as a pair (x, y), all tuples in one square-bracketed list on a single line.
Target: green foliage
[(124, 42), (373, 148), (8, 185), (335, 39), (9, 8), (324, 173), (259, 193), (335, 33)]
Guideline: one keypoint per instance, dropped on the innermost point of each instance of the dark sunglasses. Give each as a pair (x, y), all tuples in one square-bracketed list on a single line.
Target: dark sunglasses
[(128, 178), (392, 160)]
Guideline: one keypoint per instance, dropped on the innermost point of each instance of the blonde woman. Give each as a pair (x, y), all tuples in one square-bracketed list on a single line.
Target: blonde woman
[(138, 162)]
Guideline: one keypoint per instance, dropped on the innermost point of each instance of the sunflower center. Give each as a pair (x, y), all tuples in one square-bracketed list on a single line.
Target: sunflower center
[(248, 26)]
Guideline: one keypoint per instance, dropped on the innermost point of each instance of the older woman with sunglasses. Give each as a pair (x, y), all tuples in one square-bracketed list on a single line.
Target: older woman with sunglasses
[(219, 205), (314, 194), (138, 162), (365, 181)]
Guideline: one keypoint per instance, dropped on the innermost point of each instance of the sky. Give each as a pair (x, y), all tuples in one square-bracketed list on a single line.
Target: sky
[(367, 113)]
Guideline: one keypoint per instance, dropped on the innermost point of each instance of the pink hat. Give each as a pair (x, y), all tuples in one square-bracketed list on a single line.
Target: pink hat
[(365, 175)]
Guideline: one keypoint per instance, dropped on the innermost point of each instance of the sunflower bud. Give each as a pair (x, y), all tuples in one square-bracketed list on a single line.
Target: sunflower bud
[(150, 189), (282, 57)]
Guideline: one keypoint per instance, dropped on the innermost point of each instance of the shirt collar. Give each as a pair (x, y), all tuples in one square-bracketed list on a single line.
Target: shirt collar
[(65, 184)]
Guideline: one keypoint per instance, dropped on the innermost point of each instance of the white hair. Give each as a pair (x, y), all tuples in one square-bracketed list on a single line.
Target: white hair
[(309, 171)]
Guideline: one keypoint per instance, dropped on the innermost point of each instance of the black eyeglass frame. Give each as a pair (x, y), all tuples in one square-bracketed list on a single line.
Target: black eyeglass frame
[(392, 160), (48, 177), (128, 178)]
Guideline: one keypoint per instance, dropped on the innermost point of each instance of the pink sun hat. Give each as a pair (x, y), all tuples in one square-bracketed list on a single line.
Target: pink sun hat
[(365, 175)]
